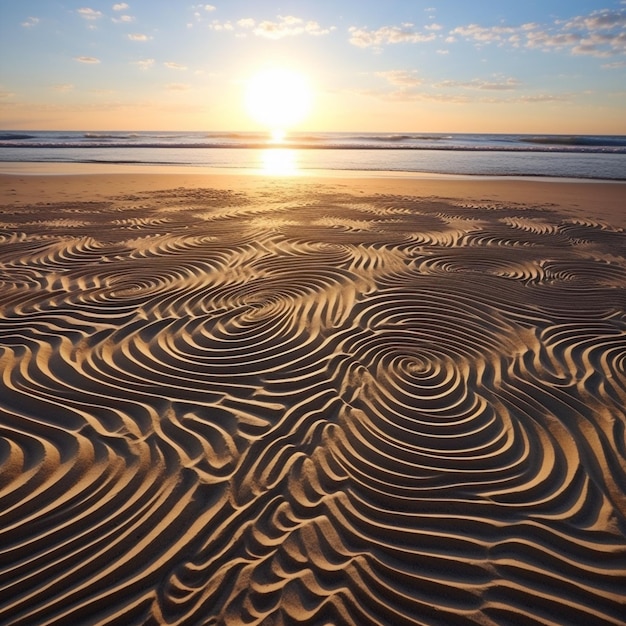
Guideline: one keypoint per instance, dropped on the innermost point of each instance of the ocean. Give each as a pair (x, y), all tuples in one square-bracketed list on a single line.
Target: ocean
[(556, 156)]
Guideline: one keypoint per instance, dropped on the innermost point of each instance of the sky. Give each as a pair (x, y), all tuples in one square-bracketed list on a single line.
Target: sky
[(537, 66)]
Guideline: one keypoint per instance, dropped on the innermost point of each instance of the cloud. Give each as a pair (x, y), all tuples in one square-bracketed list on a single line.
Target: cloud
[(89, 14), (455, 98), (283, 26), (408, 95), (603, 33), (598, 20), (178, 87), (92, 60), (123, 19), (401, 78), (30, 22), (508, 84), (144, 64), (407, 86), (5, 95), (405, 33), (484, 34), (544, 98), (198, 12), (218, 26), (102, 92), (289, 26), (174, 66), (600, 33), (614, 65), (64, 88), (138, 37), (120, 6)]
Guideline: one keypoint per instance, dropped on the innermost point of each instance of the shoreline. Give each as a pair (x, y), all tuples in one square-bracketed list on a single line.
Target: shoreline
[(63, 168), (53, 182)]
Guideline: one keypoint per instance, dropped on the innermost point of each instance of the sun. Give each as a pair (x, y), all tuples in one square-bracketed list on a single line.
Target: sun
[(278, 99)]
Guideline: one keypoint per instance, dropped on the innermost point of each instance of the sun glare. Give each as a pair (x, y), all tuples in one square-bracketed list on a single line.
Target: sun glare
[(278, 135), (279, 162), (278, 99)]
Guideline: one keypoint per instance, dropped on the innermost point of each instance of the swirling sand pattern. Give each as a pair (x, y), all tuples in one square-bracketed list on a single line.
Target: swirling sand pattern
[(304, 407)]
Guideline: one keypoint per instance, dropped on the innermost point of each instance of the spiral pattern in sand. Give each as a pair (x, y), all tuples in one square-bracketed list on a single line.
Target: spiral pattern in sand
[(307, 407)]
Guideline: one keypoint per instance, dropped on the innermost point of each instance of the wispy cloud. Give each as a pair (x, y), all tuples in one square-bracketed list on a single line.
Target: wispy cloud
[(221, 26), (178, 87), (123, 19), (30, 22), (455, 97), (601, 33), (102, 92), (175, 66), (120, 6), (614, 65), (413, 95), (5, 95), (401, 78), (88, 60), (604, 19), (405, 33), (407, 86), (289, 26), (543, 98), (138, 37), (64, 87), (89, 14), (283, 26), (144, 64), (507, 84), (485, 34), (199, 14)]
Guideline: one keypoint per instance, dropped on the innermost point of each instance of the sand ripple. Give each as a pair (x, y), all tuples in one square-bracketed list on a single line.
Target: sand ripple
[(306, 407)]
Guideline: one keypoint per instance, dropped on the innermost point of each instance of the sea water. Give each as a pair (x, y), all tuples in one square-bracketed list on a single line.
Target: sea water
[(560, 156)]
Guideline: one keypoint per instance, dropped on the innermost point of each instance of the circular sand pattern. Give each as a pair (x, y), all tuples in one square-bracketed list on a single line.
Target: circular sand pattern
[(308, 407)]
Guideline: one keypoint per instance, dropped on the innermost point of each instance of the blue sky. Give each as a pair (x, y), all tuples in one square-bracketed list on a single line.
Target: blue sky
[(395, 65)]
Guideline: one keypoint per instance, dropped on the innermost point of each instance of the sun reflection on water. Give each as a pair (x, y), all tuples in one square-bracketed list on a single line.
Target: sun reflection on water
[(277, 135), (279, 162)]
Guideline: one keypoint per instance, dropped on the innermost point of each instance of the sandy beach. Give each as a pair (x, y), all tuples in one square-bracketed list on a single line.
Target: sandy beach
[(234, 399)]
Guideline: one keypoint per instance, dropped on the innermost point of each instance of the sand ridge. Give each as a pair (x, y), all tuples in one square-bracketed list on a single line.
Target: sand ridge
[(291, 402)]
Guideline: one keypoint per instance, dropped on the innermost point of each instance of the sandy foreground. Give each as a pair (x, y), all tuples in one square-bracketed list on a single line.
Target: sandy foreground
[(253, 400)]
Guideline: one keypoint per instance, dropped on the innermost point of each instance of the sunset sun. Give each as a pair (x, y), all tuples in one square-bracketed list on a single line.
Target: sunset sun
[(278, 99)]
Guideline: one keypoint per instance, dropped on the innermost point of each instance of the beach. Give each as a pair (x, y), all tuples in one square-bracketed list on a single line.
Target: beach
[(347, 399)]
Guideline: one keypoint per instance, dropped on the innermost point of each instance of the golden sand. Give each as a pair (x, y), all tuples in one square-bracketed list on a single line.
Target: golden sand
[(242, 400)]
